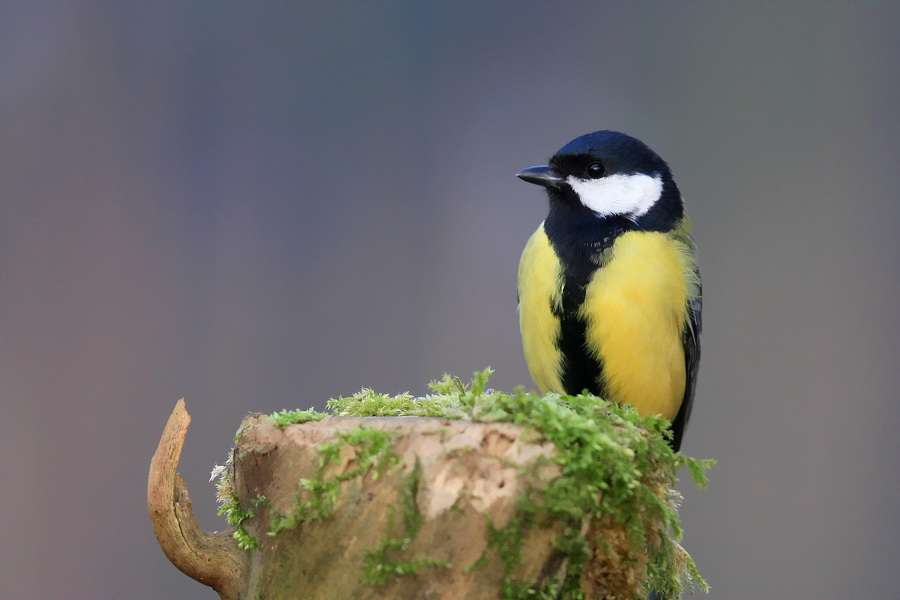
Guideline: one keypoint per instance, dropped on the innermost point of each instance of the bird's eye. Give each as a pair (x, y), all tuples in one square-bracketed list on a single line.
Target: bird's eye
[(595, 170)]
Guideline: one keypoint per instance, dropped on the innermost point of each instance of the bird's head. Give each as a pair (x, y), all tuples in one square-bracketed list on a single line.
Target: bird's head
[(612, 175)]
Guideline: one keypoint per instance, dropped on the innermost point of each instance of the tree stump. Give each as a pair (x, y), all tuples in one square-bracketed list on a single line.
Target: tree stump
[(389, 507)]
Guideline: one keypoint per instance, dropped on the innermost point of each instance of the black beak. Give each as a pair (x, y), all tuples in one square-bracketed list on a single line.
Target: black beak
[(541, 175)]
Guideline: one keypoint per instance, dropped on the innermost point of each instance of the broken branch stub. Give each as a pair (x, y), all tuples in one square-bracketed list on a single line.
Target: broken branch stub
[(212, 559)]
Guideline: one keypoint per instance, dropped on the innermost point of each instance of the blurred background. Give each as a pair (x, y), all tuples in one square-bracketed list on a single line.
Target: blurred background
[(262, 206)]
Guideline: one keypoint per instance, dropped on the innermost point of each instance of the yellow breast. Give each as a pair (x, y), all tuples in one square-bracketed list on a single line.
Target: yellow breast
[(634, 310), (540, 292)]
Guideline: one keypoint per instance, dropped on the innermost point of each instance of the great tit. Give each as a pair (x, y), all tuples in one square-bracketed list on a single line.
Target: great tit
[(609, 289)]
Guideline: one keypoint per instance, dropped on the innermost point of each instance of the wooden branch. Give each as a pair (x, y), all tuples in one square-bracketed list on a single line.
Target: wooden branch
[(212, 559)]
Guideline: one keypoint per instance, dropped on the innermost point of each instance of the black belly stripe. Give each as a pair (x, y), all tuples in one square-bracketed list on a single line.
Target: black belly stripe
[(580, 370), (579, 244)]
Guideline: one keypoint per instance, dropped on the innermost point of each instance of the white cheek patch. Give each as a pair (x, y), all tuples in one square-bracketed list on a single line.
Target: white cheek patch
[(628, 195)]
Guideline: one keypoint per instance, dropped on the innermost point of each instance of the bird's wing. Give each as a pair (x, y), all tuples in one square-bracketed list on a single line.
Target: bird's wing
[(690, 339)]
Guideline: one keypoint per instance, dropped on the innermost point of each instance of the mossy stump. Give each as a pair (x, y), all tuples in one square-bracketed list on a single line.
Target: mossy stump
[(395, 507)]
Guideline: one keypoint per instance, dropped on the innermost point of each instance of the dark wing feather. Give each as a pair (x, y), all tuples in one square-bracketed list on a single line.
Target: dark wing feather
[(690, 339)]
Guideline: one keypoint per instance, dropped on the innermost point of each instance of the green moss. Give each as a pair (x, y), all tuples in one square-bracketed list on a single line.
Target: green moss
[(412, 518), (315, 501), (372, 446), (240, 432), (295, 417), (229, 504), (379, 567), (367, 403), (236, 517), (317, 497), (552, 590)]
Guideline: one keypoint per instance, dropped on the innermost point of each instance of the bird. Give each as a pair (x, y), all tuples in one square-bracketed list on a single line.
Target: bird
[(609, 290)]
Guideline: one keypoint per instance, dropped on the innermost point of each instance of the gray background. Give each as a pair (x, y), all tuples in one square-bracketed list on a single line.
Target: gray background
[(259, 207)]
